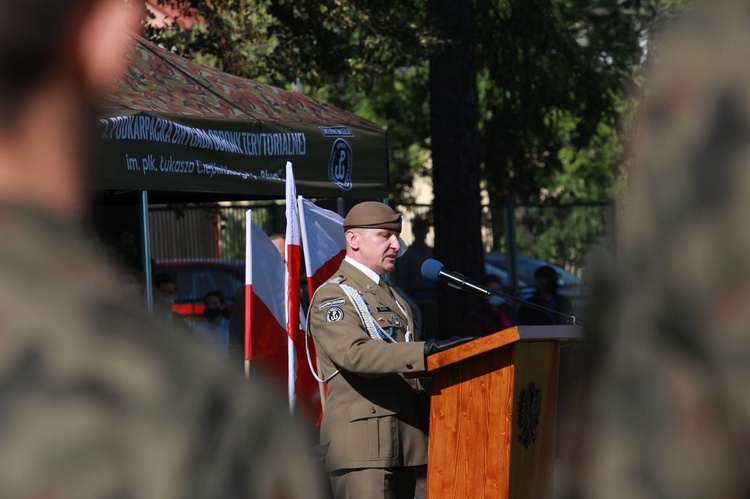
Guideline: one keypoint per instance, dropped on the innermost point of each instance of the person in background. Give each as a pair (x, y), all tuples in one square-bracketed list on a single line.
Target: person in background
[(493, 314), (374, 428), (98, 399), (546, 295), (214, 328), (410, 278), (165, 288), (279, 241), (165, 293)]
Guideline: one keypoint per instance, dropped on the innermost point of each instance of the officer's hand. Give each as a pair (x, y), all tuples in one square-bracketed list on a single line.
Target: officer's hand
[(434, 346)]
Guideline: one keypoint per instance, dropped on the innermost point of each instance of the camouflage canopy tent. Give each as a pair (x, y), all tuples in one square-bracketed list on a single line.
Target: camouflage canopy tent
[(173, 125), (176, 131)]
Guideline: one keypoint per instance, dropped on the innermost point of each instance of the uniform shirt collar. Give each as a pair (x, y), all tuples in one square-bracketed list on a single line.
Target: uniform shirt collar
[(364, 269)]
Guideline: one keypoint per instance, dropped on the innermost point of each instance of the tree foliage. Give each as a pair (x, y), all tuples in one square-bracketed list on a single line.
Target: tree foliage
[(550, 72), (555, 71), (551, 77)]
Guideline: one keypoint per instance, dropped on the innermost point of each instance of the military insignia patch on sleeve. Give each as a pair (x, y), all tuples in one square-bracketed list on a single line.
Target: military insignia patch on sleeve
[(334, 314)]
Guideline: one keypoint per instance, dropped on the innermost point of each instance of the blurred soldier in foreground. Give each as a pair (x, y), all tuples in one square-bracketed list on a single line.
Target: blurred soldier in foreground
[(96, 400), (669, 400)]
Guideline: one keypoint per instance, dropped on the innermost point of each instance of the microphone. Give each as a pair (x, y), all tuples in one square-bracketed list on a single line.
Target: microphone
[(434, 270)]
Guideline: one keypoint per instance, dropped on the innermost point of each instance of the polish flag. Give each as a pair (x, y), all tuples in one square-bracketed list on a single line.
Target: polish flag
[(324, 242), (304, 394), (265, 317)]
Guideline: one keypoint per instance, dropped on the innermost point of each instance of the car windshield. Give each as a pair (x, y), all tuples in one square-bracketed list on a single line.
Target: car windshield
[(527, 267)]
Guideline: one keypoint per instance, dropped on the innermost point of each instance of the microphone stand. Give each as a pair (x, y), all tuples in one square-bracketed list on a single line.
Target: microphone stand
[(570, 318), (459, 281)]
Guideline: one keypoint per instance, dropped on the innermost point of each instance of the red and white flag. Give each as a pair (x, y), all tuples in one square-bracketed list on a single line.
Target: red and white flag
[(265, 315), (304, 393), (324, 242)]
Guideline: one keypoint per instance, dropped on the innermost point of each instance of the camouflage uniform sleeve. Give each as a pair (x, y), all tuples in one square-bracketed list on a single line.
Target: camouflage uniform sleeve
[(253, 448), (126, 418), (669, 407), (98, 400)]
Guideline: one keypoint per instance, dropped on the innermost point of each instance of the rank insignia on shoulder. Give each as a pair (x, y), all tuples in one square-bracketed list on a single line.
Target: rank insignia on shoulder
[(337, 280), (330, 303), (334, 314)]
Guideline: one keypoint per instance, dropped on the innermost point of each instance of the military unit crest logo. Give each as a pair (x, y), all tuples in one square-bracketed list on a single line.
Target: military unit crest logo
[(340, 165)]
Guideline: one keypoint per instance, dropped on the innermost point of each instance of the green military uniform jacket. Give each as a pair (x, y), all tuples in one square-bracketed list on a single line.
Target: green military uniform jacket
[(100, 401), (373, 416)]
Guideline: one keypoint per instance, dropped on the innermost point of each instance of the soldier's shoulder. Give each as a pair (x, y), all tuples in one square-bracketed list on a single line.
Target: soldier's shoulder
[(332, 286), (336, 279), (329, 294), (116, 383)]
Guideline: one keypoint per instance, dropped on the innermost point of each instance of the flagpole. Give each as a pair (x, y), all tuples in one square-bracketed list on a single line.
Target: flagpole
[(248, 293), (291, 284), (145, 235)]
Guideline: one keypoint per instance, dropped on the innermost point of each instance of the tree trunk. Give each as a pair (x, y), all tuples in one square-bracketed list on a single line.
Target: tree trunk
[(455, 156)]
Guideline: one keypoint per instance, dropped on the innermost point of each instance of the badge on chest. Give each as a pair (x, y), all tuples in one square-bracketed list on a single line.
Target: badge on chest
[(391, 319)]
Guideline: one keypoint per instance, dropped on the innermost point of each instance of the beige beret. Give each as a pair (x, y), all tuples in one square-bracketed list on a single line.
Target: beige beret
[(373, 215)]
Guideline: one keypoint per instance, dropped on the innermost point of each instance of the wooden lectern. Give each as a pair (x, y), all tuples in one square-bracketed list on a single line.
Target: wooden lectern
[(493, 414)]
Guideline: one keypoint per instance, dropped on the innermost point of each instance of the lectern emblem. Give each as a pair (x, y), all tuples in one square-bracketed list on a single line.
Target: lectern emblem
[(529, 410)]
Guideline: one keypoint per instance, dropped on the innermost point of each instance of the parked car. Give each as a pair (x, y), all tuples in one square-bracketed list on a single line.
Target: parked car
[(490, 269), (194, 277), (526, 267), (570, 285)]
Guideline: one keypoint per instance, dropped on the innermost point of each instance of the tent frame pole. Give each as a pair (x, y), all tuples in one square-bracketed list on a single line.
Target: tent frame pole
[(147, 279)]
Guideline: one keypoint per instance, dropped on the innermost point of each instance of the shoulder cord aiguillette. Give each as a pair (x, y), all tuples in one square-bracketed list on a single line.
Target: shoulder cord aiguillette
[(365, 315)]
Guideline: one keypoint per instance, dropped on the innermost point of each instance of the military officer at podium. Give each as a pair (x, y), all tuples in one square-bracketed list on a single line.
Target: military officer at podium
[(374, 428)]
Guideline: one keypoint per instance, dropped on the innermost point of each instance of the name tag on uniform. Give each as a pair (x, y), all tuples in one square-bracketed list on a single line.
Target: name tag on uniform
[(330, 303), (384, 309)]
